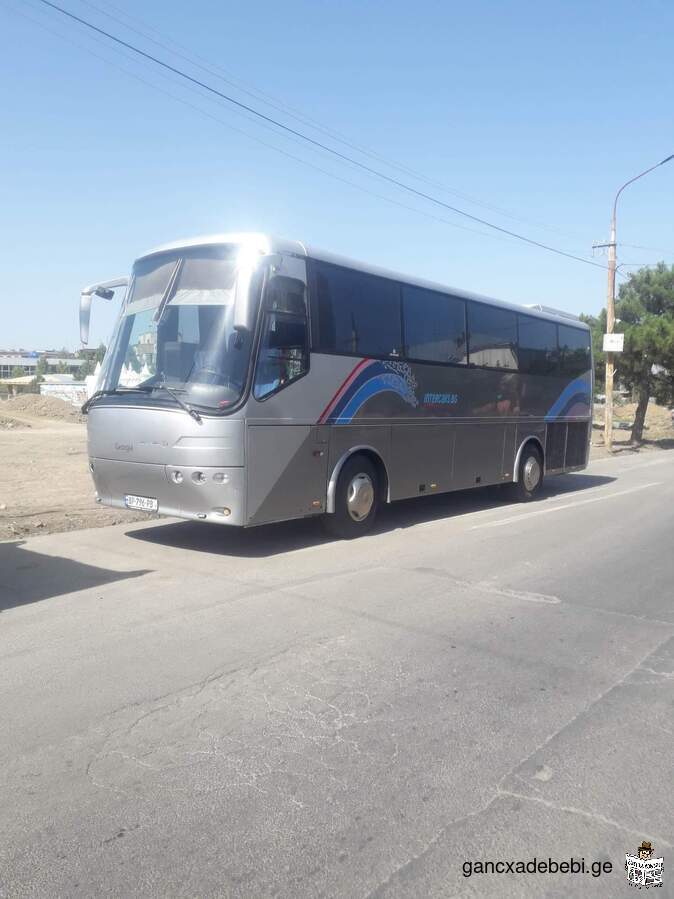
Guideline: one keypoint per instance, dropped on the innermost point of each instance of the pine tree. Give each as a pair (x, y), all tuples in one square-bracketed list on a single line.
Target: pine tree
[(645, 307)]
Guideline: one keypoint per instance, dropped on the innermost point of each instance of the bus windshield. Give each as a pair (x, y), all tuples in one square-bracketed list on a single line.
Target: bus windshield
[(177, 329)]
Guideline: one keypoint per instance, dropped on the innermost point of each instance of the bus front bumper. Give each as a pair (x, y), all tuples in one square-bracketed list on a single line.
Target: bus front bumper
[(201, 493)]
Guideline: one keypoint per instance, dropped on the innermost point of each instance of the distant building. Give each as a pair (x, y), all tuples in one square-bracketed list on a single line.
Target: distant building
[(57, 379), (11, 361), (15, 386), (69, 361), (27, 362)]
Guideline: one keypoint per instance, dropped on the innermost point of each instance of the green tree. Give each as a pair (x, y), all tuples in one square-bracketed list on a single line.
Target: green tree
[(645, 307), (100, 352), (41, 369), (597, 325), (18, 372)]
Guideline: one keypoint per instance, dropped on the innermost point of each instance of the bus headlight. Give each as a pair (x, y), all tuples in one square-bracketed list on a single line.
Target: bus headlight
[(177, 477), (220, 477), (198, 477)]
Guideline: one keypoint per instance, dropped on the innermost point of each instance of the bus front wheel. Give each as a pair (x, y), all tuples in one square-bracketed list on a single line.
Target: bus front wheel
[(357, 498), (530, 475)]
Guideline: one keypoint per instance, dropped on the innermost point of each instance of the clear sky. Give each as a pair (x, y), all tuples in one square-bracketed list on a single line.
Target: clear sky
[(540, 109)]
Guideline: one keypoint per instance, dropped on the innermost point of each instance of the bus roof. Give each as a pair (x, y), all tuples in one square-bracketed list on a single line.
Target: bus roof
[(267, 243)]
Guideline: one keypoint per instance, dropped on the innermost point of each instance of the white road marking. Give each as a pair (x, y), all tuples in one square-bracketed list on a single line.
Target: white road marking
[(640, 462), (580, 502), (517, 594), (492, 510), (487, 586)]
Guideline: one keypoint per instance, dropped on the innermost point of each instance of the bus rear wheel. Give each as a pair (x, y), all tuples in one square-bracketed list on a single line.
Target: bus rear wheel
[(357, 499), (530, 475)]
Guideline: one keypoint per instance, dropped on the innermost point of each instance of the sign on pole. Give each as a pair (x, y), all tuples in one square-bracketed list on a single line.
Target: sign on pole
[(614, 343)]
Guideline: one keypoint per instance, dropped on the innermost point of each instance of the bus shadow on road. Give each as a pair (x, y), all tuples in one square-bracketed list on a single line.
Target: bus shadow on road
[(274, 539), (27, 576)]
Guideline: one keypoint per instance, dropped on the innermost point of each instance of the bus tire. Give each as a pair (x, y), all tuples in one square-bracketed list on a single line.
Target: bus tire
[(530, 474), (357, 498)]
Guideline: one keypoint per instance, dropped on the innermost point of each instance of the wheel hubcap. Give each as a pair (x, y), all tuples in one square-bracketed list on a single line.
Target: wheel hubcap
[(360, 497), (532, 473)]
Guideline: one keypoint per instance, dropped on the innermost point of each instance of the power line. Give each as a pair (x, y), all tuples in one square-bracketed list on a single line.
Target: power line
[(222, 74), (344, 157), (638, 264), (634, 246), (247, 134)]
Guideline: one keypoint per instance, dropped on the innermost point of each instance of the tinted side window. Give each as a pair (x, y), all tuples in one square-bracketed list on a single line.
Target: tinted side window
[(435, 326), (285, 295), (537, 346), (355, 313), (574, 348), (492, 336), (283, 355)]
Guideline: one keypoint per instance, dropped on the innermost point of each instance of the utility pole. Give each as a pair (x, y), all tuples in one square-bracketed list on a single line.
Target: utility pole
[(610, 306), (610, 324)]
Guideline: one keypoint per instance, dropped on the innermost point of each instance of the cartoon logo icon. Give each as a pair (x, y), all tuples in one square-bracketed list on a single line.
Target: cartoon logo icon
[(642, 869), (645, 850)]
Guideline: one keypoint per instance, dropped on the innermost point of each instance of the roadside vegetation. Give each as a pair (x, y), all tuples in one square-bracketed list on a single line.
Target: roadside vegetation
[(645, 314)]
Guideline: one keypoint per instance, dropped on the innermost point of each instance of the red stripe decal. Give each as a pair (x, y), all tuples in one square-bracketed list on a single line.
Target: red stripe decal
[(341, 390)]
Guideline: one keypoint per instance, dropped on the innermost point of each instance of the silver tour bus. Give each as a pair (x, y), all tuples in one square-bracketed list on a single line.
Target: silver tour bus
[(251, 380)]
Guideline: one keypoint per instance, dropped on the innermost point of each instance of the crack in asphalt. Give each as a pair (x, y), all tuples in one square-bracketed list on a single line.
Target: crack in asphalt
[(188, 692), (500, 792), (594, 816), (329, 721)]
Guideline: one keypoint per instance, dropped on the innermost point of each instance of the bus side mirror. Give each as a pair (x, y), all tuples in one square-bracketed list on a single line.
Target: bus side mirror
[(106, 290), (85, 316), (244, 308)]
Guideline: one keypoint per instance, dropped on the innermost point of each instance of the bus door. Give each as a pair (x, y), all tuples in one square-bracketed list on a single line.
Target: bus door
[(286, 457)]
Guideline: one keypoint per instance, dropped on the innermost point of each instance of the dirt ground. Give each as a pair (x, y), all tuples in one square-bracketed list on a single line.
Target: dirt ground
[(658, 431), (45, 485), (35, 406), (10, 424)]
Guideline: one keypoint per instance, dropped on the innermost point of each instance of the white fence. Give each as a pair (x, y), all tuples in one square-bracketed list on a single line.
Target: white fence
[(74, 393)]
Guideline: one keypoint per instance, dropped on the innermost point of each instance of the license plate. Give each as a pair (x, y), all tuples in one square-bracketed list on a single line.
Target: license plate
[(144, 503)]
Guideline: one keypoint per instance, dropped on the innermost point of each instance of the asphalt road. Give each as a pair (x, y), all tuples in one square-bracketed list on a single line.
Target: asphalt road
[(195, 712)]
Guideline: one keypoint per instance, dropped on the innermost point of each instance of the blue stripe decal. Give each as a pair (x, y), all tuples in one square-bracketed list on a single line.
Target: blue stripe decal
[(383, 383), (577, 391), (376, 378)]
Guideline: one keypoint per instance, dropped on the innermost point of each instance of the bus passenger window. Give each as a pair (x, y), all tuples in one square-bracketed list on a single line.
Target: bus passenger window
[(355, 313), (435, 326), (283, 352), (492, 336), (574, 348), (538, 354)]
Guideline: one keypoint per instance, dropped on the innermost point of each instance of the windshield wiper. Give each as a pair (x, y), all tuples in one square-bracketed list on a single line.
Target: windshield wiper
[(114, 391), (183, 405)]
